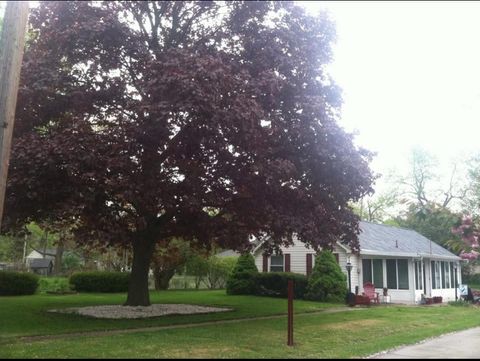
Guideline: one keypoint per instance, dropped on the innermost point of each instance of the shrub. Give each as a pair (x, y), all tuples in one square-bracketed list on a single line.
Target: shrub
[(71, 262), (219, 269), (100, 281), (327, 283), (276, 284), (242, 280), (471, 279), (54, 284), (17, 283), (459, 303)]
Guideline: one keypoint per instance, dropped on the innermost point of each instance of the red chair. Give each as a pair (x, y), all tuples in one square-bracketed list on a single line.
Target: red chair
[(369, 291)]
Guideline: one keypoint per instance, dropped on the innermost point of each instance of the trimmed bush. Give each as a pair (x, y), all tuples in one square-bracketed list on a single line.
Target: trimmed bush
[(275, 284), (100, 281), (17, 283), (327, 283), (242, 280)]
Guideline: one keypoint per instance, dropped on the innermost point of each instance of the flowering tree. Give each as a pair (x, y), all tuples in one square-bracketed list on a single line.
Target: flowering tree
[(469, 233), (143, 122)]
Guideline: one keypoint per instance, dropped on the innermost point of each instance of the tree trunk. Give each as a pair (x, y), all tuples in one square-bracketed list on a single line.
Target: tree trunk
[(162, 278), (138, 294), (58, 257)]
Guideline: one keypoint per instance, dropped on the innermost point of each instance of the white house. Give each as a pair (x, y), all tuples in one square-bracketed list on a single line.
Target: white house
[(400, 259)]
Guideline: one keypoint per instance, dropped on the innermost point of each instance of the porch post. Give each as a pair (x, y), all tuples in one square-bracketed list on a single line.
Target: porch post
[(455, 270)]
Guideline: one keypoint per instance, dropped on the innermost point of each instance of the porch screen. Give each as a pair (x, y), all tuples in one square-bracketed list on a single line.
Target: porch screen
[(442, 273), (373, 272), (418, 275), (452, 275), (434, 283), (378, 273), (438, 278), (446, 266), (391, 274), (402, 274), (367, 270)]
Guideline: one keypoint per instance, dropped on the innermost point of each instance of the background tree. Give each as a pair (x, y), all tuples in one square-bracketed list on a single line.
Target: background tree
[(431, 220), (421, 184), (377, 208), (471, 203), (197, 266), (207, 121), (468, 232), (219, 270), (169, 258)]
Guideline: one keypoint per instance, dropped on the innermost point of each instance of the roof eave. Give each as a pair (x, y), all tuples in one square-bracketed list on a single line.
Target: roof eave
[(407, 254)]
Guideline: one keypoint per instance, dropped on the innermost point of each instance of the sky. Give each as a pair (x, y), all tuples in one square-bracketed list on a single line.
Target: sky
[(410, 74)]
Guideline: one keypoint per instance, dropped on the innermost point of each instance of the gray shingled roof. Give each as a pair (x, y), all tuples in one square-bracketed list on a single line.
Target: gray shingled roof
[(48, 251), (379, 239), (40, 263)]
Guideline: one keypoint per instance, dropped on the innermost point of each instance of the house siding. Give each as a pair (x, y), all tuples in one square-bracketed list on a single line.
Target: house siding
[(298, 260)]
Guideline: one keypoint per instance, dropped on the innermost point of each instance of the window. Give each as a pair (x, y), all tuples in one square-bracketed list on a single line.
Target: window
[(418, 275), (434, 284), (373, 272), (276, 263)]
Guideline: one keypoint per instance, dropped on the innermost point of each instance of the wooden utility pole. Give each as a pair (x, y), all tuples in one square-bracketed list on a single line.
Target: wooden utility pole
[(12, 42), (290, 313)]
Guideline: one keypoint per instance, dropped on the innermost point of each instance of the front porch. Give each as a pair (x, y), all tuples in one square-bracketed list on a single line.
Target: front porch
[(408, 278)]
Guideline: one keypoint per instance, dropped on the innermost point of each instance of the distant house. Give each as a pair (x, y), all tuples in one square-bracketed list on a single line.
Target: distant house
[(41, 266), (6, 266), (37, 254), (400, 259), (41, 261)]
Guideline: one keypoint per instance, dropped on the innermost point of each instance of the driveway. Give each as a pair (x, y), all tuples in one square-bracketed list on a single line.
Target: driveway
[(463, 344)]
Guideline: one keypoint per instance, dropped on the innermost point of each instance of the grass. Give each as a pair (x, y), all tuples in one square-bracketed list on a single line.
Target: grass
[(328, 335), (27, 315)]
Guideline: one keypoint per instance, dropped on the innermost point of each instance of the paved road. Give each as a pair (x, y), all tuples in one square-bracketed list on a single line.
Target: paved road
[(463, 344)]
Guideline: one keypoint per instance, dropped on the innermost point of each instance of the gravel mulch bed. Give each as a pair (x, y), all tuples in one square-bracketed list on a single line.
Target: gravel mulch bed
[(118, 311)]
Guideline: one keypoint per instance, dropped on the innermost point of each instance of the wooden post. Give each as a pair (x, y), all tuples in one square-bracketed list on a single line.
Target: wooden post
[(290, 313), (11, 53)]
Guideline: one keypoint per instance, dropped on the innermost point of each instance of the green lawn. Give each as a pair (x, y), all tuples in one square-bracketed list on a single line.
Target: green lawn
[(336, 335), (321, 335), (26, 315)]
